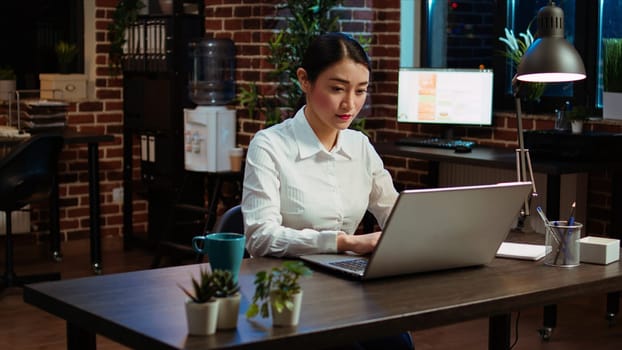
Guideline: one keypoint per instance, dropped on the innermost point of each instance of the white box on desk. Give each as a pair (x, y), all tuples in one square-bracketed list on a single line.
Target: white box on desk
[(599, 250), (67, 87)]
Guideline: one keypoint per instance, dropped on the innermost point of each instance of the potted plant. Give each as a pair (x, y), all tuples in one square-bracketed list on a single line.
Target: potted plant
[(228, 295), (307, 19), (202, 305), (612, 78), (577, 116), (278, 292), (514, 51), (7, 83), (65, 54), (64, 85)]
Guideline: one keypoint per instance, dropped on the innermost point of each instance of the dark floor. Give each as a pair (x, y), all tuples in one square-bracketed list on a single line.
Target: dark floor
[(581, 321)]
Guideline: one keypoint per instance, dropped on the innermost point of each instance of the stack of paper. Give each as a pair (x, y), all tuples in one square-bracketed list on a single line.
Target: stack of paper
[(521, 251)]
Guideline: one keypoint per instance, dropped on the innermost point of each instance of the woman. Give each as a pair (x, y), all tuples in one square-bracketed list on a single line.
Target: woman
[(309, 180)]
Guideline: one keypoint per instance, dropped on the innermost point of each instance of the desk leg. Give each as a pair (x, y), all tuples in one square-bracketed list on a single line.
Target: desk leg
[(55, 221), (79, 338), (128, 221), (613, 307), (499, 332), (553, 193), (94, 207), (433, 174)]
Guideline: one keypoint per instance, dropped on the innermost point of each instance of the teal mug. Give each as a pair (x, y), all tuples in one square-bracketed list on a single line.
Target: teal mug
[(224, 250)]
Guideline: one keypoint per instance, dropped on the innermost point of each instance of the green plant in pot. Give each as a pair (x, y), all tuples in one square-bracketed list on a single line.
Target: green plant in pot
[(228, 295), (278, 292), (514, 51), (202, 305), (65, 55), (306, 20), (577, 116)]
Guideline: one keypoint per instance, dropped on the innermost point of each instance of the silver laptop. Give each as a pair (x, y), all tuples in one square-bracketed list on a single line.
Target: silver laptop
[(437, 229)]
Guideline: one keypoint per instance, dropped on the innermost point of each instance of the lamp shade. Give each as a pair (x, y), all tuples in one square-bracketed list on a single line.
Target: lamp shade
[(551, 58)]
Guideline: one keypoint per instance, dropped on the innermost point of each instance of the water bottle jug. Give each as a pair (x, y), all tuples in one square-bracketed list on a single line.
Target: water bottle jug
[(212, 80)]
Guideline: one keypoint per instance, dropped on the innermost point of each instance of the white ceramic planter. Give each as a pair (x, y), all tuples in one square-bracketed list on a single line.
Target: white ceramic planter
[(576, 126), (288, 318), (228, 309), (202, 318), (612, 105), (7, 90)]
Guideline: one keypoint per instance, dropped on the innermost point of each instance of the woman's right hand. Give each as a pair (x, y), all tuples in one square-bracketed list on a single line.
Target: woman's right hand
[(360, 244)]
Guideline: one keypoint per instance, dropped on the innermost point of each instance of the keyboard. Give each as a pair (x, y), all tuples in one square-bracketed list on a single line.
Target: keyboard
[(356, 265), (434, 142)]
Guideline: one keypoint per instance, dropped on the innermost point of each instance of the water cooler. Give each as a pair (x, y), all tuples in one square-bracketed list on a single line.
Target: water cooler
[(210, 128)]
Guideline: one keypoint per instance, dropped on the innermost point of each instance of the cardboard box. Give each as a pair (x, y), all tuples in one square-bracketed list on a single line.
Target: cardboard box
[(66, 87), (599, 250)]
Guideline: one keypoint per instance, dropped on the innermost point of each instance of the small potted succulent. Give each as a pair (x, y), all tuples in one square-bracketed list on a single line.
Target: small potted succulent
[(577, 116), (228, 295), (202, 305), (278, 292)]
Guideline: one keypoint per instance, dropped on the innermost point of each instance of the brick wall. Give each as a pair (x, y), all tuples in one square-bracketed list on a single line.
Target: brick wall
[(250, 24)]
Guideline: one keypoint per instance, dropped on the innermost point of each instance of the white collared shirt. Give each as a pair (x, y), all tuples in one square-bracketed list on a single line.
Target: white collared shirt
[(297, 195)]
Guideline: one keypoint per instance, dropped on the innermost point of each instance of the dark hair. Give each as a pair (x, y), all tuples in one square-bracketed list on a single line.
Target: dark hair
[(328, 49)]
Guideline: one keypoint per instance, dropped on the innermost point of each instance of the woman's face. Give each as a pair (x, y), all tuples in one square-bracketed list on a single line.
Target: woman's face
[(336, 96)]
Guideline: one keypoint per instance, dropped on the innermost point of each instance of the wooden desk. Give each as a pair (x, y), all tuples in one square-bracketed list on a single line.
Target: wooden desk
[(92, 140), (494, 158), (144, 309)]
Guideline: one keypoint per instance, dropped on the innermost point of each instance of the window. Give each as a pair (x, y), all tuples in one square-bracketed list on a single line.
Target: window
[(464, 34), (31, 29), (610, 19)]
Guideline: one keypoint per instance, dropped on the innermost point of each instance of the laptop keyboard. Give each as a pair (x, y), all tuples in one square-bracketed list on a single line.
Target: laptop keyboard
[(356, 265)]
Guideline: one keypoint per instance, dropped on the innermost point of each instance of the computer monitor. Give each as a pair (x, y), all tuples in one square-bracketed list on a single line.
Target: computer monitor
[(445, 96)]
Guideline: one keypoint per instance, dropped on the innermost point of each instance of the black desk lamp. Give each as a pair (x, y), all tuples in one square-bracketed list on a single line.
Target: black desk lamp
[(550, 58)]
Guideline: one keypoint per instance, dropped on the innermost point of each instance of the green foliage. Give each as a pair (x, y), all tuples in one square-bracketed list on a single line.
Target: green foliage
[(126, 13), (65, 54), (7, 73), (514, 51), (277, 287), (577, 113), (612, 67), (204, 287), (306, 20), (226, 286)]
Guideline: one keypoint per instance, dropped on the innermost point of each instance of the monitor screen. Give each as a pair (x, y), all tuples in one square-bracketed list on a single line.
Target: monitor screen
[(445, 96)]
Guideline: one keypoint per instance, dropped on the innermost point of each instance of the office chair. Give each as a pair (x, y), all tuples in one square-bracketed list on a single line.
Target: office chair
[(27, 175), (231, 221)]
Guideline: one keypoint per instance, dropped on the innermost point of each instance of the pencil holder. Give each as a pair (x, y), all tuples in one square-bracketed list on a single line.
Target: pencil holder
[(562, 244)]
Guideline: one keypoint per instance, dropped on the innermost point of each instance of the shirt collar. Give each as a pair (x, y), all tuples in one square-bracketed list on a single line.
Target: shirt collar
[(309, 144)]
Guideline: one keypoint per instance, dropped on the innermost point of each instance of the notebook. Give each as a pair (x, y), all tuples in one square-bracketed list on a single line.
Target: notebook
[(436, 229)]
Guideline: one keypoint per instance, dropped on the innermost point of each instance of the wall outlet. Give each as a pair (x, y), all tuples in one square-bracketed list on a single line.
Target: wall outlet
[(117, 195)]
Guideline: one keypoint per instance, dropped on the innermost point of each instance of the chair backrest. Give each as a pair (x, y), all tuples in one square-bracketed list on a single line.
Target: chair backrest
[(231, 221), (28, 171)]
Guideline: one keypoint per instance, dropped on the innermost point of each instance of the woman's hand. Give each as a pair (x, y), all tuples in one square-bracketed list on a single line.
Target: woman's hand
[(360, 244)]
